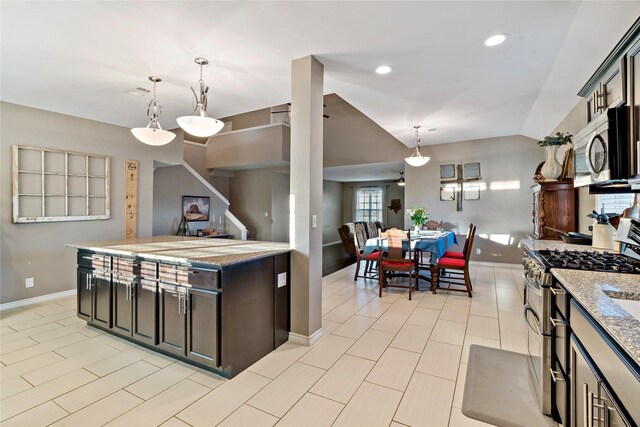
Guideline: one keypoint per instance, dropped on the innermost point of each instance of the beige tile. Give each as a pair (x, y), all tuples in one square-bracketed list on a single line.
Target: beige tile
[(327, 351), (510, 304), (58, 332), (6, 331), (458, 419), (455, 313), (174, 422), (343, 379), (511, 321), (404, 306), (157, 359), (276, 362), (221, 402), (375, 308), (38, 349), (360, 299), (394, 369), (247, 416), (18, 344), (14, 317), (372, 344), (21, 326), (460, 381), (118, 361), (332, 301), (434, 302), (426, 402), (424, 317), (471, 339), (460, 298), (485, 327), (41, 415), (354, 327), (284, 391), (514, 341), (102, 411), (312, 411), (163, 406), (55, 370), (448, 332), (28, 365), (329, 326), (341, 313), (411, 338), (207, 378), (35, 396), (484, 308), (96, 390), (484, 295), (13, 386), (372, 405), (160, 380), (390, 322), (440, 359)]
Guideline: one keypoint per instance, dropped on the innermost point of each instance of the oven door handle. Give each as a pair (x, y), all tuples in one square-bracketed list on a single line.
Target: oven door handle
[(536, 329)]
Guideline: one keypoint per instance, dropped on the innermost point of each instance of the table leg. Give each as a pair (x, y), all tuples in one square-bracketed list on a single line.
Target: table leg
[(434, 277)]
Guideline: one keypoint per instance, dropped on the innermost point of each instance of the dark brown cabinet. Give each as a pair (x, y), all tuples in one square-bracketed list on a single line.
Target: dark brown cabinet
[(633, 76), (134, 308), (94, 296), (609, 92), (554, 206), (188, 323)]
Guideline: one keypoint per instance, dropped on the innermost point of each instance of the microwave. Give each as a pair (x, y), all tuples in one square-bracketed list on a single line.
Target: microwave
[(601, 150)]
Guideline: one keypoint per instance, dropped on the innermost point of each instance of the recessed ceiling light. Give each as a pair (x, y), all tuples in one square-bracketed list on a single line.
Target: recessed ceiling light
[(384, 69), (495, 40)]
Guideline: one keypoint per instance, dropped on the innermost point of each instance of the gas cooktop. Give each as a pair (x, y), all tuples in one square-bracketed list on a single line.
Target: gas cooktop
[(592, 261)]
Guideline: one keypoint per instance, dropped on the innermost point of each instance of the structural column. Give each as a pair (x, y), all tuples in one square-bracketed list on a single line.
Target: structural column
[(306, 199)]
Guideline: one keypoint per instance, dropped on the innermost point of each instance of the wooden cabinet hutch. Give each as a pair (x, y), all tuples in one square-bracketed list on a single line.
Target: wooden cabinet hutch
[(554, 205)]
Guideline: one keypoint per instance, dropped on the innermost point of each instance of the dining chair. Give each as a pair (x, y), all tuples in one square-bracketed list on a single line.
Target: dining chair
[(457, 270), (359, 240), (433, 224), (395, 260), (465, 248)]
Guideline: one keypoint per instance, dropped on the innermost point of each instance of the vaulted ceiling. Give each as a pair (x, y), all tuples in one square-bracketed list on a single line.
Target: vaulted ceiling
[(81, 58)]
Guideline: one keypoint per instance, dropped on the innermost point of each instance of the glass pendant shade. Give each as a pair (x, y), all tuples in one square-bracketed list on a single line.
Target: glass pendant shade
[(153, 136), (198, 124), (153, 133), (417, 159)]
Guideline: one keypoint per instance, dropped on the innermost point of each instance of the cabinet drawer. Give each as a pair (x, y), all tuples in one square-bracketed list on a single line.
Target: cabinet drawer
[(196, 277), (94, 261), (560, 300), (560, 333), (133, 267), (560, 397)]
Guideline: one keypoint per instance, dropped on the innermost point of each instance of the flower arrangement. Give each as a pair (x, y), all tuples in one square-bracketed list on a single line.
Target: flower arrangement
[(418, 216), (558, 139)]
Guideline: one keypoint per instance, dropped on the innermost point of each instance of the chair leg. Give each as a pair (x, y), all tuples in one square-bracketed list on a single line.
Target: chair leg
[(410, 285), (467, 282), (380, 280), (355, 277), (367, 266)]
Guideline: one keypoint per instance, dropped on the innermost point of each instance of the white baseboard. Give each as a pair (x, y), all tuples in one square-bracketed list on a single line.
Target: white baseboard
[(36, 300), (305, 340), (494, 264), (332, 243)]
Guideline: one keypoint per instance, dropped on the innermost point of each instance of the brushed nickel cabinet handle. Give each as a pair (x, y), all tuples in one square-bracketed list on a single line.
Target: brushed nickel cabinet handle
[(556, 376), (557, 291), (557, 322)]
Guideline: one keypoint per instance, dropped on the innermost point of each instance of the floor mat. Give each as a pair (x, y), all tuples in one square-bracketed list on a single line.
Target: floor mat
[(498, 390)]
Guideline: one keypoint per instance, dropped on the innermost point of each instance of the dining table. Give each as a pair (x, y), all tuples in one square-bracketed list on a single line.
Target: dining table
[(435, 242)]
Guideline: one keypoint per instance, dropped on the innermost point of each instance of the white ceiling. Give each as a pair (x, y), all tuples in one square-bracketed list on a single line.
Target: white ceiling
[(368, 172), (79, 58)]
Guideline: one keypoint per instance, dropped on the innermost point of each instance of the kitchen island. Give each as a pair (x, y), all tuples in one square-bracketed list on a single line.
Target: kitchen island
[(218, 304)]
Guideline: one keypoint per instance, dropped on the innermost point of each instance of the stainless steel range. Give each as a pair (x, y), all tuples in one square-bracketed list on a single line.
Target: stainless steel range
[(538, 301)]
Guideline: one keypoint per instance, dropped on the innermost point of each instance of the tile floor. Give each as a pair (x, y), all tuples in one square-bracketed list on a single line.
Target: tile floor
[(382, 361)]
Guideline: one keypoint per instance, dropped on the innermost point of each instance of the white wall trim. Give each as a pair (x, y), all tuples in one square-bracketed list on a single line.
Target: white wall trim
[(305, 340), (332, 243), (243, 230), (206, 183), (494, 264), (36, 300)]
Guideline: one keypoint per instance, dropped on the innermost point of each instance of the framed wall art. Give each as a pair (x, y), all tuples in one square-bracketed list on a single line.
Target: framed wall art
[(447, 194), (472, 192), (447, 171), (195, 208), (471, 171)]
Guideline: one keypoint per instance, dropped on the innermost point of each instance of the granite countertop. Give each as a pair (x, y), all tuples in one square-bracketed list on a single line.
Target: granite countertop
[(187, 250), (537, 245), (593, 290)]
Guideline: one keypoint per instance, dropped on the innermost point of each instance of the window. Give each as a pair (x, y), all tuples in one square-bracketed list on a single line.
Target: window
[(369, 204), (614, 203)]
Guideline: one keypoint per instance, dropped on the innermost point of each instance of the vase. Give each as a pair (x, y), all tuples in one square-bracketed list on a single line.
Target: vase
[(552, 168), (417, 228)]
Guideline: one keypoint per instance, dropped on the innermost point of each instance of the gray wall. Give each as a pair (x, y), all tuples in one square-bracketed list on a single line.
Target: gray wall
[(331, 211), (250, 198), (498, 213), (196, 157), (37, 250), (392, 191), (170, 183)]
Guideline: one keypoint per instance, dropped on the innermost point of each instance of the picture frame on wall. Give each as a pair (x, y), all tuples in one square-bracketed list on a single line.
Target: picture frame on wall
[(196, 208), (471, 171), (472, 192), (447, 194)]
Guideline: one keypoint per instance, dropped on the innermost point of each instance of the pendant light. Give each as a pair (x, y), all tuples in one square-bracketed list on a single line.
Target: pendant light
[(416, 158), (198, 124), (401, 182), (153, 133)]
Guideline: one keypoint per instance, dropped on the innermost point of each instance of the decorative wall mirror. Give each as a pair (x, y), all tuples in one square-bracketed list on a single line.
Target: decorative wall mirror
[(471, 170), (472, 192), (447, 171), (447, 194)]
